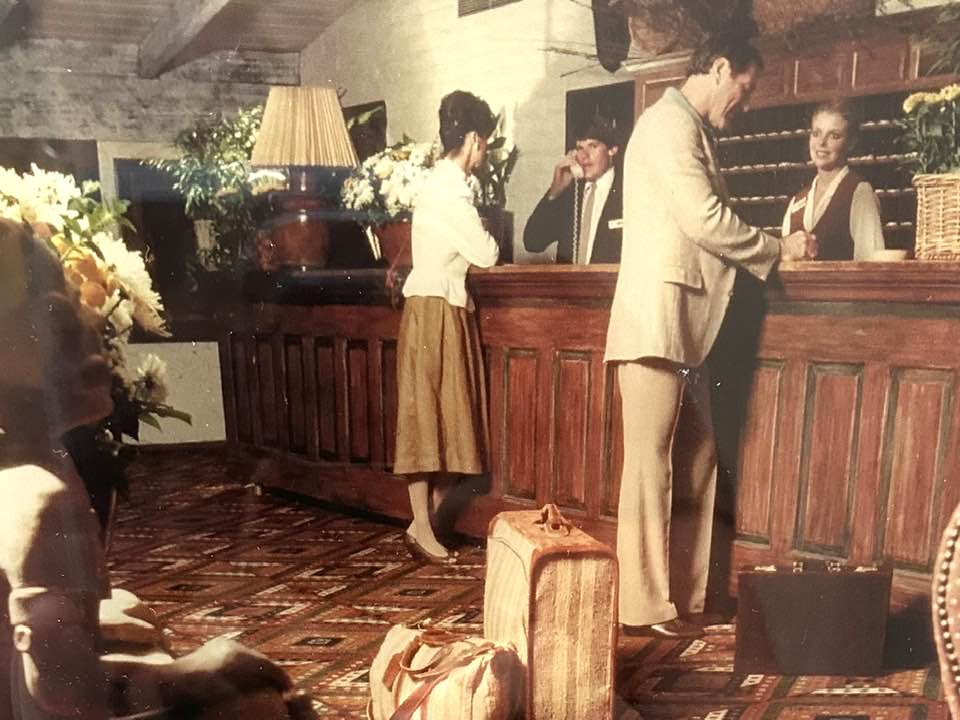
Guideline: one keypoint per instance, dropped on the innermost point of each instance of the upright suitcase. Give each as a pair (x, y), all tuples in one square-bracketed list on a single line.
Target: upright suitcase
[(551, 590)]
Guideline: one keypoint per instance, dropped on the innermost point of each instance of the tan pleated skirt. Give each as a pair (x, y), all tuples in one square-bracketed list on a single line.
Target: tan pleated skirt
[(441, 392)]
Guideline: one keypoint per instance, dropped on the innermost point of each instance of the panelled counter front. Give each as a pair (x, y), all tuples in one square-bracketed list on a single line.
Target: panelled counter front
[(837, 408)]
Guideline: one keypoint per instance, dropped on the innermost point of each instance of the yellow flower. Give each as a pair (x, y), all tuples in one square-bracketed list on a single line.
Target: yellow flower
[(950, 92), (912, 101)]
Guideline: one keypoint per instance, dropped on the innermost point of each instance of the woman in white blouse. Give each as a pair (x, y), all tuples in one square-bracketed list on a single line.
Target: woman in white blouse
[(441, 415), (839, 207)]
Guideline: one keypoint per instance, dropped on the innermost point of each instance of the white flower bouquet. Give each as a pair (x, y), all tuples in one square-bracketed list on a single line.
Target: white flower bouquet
[(111, 279), (386, 186)]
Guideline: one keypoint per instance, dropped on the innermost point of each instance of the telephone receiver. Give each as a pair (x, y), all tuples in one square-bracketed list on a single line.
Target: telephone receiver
[(576, 171)]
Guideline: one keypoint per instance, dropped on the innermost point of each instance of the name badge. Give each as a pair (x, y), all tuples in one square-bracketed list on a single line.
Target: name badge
[(616, 224)]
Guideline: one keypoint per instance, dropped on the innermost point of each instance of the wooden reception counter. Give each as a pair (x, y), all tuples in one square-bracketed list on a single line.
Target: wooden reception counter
[(849, 448)]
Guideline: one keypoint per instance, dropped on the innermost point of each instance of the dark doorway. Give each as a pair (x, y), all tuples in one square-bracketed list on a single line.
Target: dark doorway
[(163, 231)]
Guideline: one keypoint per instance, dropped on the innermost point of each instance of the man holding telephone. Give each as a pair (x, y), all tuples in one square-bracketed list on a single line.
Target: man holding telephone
[(583, 209)]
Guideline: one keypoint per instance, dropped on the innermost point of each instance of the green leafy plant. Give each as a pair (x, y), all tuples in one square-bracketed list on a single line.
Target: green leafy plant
[(931, 130), (495, 172), (213, 173)]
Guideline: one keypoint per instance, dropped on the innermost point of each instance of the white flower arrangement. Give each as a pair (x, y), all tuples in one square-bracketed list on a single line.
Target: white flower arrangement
[(111, 279), (386, 186)]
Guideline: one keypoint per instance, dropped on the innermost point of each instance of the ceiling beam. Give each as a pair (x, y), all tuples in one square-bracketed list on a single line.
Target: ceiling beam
[(172, 34)]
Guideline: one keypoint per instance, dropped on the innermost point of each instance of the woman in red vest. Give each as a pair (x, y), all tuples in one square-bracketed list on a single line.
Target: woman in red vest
[(839, 206)]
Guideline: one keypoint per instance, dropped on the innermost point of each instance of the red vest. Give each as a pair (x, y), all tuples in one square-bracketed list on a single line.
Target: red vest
[(833, 227)]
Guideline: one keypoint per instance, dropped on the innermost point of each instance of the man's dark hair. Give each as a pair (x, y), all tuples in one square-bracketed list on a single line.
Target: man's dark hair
[(599, 128), (736, 48), (460, 113)]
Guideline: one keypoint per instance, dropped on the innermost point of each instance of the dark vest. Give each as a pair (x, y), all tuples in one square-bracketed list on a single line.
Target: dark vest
[(833, 227)]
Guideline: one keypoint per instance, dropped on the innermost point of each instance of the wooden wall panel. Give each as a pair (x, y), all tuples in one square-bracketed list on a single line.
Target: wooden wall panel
[(879, 64), (612, 446), (757, 465), (520, 435), (266, 389), (389, 392), (325, 369), (358, 417), (571, 428), (850, 446), (816, 74), (828, 462), (914, 438), (240, 362), (295, 394)]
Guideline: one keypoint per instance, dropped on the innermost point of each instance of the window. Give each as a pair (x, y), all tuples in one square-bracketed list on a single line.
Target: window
[(468, 7)]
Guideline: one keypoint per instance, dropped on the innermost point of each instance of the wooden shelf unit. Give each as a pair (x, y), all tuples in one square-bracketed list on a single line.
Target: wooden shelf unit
[(768, 162), (765, 158)]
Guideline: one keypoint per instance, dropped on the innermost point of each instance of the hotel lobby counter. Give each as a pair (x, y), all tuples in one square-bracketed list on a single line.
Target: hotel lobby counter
[(842, 377)]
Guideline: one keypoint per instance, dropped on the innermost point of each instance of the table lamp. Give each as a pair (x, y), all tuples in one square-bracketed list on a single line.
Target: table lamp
[(303, 131)]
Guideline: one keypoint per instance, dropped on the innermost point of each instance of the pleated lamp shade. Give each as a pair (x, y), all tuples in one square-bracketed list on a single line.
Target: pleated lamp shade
[(303, 126)]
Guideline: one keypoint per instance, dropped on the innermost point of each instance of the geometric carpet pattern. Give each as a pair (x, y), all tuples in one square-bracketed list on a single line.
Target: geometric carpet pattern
[(317, 589)]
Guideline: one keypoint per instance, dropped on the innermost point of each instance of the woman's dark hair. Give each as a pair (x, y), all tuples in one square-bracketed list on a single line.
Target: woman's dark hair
[(460, 113), (846, 109), (735, 47)]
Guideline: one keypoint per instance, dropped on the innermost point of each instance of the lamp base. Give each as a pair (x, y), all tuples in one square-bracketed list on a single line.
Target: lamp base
[(294, 232)]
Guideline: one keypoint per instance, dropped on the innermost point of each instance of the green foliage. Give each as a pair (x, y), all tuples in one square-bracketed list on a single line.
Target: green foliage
[(495, 172), (931, 130), (948, 44), (212, 171)]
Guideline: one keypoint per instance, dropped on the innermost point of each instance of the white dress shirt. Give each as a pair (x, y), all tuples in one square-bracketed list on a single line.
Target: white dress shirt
[(447, 237), (601, 189), (865, 226)]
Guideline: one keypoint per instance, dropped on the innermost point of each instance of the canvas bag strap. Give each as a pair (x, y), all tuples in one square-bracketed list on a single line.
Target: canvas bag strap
[(433, 673)]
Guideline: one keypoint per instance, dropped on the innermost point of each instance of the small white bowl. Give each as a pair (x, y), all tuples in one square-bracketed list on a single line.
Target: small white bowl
[(888, 255)]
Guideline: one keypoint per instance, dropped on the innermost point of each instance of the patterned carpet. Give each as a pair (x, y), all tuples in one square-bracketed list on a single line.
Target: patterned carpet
[(317, 590)]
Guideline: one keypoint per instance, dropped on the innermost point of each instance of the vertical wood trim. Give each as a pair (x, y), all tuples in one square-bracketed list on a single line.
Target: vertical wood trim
[(342, 393), (295, 393), (545, 452), (863, 539), (281, 394), (595, 436), (570, 492), (496, 389), (376, 424), (612, 442), (256, 400), (789, 429), (311, 415), (228, 386)]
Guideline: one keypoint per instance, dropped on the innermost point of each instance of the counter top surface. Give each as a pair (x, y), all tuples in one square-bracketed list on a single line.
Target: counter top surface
[(908, 281)]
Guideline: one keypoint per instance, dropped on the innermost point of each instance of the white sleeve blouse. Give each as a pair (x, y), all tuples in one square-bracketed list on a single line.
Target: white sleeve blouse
[(447, 237), (866, 229)]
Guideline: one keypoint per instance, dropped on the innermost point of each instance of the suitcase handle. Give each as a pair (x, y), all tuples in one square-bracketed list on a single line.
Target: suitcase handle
[(552, 521)]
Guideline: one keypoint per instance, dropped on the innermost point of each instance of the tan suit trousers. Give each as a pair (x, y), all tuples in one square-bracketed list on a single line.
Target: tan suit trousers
[(665, 515)]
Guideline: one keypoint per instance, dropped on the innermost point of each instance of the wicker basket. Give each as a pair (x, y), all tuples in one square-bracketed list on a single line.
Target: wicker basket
[(938, 216)]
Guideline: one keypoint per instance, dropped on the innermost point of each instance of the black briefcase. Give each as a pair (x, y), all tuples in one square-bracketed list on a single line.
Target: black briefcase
[(814, 618)]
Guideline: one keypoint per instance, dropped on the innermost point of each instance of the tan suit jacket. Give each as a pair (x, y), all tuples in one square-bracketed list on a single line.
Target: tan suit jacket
[(681, 241)]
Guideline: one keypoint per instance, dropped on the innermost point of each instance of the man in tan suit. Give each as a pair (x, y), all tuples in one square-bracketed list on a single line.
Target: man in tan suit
[(682, 244)]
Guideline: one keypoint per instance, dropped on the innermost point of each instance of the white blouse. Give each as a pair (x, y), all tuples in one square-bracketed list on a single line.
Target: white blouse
[(447, 237), (865, 226)]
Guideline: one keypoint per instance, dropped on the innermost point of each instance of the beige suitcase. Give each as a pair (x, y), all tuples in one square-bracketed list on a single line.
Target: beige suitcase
[(551, 590)]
